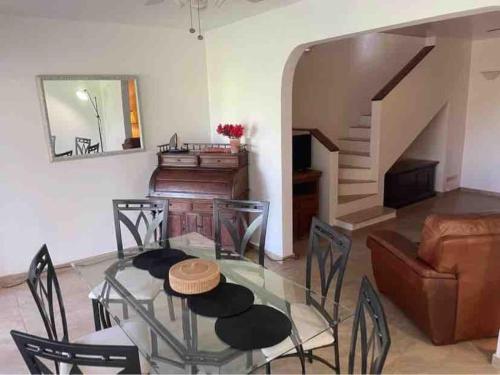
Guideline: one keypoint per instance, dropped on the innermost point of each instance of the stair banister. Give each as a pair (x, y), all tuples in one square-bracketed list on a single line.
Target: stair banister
[(325, 157)]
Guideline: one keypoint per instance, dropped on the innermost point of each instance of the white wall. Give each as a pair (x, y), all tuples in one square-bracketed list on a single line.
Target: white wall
[(431, 145), (335, 82), (481, 161), (250, 70), (439, 80), (68, 204)]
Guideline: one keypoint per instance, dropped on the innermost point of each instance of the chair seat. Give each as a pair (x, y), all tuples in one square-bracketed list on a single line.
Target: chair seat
[(140, 283), (308, 322), (113, 336)]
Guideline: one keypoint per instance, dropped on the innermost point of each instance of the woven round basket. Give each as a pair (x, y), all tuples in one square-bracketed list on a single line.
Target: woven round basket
[(194, 276)]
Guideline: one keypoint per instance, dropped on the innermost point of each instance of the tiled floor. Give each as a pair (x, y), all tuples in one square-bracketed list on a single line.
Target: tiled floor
[(411, 351)]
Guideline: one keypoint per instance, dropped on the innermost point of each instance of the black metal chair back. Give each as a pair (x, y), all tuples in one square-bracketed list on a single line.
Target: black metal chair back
[(64, 154), (370, 325), (81, 145), (33, 349), (152, 213), (330, 249), (241, 219), (94, 149), (44, 286)]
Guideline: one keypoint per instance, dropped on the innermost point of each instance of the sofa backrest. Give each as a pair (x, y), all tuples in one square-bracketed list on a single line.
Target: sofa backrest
[(439, 226), (468, 246)]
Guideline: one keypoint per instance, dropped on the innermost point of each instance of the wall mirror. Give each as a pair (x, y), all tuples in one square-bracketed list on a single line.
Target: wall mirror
[(90, 116)]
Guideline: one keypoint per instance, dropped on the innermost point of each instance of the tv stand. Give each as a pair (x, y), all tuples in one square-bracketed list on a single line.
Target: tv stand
[(305, 201)]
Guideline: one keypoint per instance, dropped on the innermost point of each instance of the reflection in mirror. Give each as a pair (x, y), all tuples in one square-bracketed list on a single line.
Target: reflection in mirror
[(90, 116)]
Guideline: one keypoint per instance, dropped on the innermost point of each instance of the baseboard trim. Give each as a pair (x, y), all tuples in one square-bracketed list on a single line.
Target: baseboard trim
[(495, 361), (9, 281), (479, 191)]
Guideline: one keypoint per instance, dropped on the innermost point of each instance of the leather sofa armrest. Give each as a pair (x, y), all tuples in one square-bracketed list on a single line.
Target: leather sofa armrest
[(406, 251)]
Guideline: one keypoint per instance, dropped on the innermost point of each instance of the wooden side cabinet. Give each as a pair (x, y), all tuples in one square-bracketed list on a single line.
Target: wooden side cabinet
[(305, 201), (409, 181)]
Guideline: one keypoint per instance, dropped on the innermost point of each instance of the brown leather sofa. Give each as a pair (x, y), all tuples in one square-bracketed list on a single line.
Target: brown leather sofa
[(449, 285)]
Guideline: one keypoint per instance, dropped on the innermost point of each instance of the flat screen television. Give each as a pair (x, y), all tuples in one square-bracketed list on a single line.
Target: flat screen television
[(301, 152)]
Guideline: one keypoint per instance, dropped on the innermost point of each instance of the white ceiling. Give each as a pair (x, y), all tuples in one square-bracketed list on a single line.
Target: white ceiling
[(479, 26), (134, 12)]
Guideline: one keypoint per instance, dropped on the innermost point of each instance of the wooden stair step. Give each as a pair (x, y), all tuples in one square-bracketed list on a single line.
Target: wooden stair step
[(344, 152), (346, 181), (350, 198), (355, 139), (346, 166), (367, 214)]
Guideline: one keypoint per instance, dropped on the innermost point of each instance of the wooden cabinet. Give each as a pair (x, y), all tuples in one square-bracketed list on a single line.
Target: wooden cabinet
[(191, 181), (305, 201), (409, 181)]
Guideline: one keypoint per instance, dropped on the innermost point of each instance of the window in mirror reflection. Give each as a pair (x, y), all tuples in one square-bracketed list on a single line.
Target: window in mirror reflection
[(92, 116)]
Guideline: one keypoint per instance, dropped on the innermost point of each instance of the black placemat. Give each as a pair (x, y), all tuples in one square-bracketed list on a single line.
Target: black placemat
[(226, 299), (144, 260), (259, 327), (159, 268), (168, 289)]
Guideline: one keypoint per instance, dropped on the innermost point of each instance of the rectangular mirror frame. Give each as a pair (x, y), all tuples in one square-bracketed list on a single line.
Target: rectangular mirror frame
[(45, 116)]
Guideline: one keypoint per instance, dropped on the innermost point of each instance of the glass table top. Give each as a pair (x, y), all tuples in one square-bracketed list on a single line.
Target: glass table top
[(174, 339)]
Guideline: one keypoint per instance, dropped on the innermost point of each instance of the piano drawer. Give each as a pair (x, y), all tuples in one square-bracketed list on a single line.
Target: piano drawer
[(179, 160), (219, 161)]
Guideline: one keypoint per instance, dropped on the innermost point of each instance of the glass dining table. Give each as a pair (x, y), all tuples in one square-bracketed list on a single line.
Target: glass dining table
[(171, 338)]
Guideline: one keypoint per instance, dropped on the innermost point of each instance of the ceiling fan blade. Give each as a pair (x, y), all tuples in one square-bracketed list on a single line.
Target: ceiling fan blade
[(153, 2)]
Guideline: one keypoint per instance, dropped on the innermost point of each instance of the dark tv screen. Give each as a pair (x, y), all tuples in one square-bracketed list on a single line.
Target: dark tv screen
[(301, 152)]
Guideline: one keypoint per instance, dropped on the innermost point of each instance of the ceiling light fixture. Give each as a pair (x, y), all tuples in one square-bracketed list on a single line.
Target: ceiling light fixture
[(197, 5)]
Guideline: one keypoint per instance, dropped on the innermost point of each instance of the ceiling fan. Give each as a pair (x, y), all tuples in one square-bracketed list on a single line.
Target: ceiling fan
[(197, 5)]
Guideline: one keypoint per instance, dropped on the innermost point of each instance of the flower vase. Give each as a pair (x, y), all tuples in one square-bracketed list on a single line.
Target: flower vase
[(235, 145)]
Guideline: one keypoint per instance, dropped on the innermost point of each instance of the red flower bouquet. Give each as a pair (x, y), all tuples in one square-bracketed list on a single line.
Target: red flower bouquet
[(231, 131)]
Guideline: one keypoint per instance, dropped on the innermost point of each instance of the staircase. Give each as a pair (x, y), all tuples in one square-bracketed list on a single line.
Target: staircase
[(359, 201)]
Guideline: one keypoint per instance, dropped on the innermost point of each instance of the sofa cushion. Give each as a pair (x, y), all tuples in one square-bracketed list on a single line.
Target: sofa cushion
[(439, 226)]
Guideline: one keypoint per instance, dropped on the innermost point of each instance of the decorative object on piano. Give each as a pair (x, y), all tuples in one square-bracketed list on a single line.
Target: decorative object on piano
[(194, 276), (234, 133), (171, 147)]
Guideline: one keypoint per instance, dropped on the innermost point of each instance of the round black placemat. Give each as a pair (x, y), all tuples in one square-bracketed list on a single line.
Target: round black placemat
[(258, 327), (224, 300), (168, 289), (159, 268), (144, 260)]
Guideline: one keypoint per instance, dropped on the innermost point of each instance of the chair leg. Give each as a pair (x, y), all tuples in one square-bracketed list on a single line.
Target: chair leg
[(336, 349), (96, 313), (171, 308), (310, 356), (268, 368), (154, 338)]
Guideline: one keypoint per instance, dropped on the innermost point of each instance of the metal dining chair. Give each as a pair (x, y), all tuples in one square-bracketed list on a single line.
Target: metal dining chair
[(240, 220), (44, 286), (370, 325), (93, 149), (81, 145), (71, 358), (146, 223), (330, 249)]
